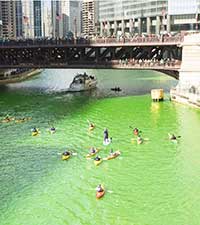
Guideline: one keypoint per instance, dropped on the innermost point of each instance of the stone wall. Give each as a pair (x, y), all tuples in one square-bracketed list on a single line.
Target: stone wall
[(188, 88)]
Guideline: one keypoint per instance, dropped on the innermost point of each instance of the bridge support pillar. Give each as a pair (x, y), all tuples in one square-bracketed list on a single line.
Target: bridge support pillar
[(139, 25), (148, 25), (168, 23), (102, 29), (188, 89), (131, 25), (115, 28), (108, 33), (122, 27), (158, 24)]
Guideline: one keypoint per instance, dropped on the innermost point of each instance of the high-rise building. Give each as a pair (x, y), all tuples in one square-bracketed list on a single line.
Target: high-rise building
[(19, 17), (75, 16), (119, 17), (32, 18), (37, 18), (8, 14), (184, 14), (66, 16), (46, 19), (56, 16), (1, 23), (28, 19), (89, 17)]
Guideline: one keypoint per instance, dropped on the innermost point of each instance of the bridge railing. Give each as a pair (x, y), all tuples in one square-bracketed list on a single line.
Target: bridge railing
[(82, 41), (137, 64)]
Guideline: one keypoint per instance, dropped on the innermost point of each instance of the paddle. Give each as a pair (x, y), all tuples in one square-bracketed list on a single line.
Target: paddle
[(134, 128), (72, 153), (170, 135), (108, 191)]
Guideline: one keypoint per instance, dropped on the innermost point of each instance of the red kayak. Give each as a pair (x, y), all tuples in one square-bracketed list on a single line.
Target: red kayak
[(100, 194)]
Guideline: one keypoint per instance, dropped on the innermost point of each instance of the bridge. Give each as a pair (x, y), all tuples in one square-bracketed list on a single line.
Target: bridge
[(176, 56), (161, 54)]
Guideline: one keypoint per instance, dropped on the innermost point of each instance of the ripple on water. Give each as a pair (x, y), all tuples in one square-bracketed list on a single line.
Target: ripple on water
[(153, 183)]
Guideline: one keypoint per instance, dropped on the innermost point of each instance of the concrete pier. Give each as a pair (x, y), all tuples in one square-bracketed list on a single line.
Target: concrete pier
[(188, 89)]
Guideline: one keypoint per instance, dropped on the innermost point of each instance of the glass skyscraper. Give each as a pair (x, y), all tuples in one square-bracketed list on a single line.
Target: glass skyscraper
[(18, 14), (128, 16), (37, 18), (184, 14)]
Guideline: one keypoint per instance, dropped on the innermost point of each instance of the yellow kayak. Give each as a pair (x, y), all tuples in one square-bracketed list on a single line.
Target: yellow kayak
[(92, 154), (114, 155), (35, 133), (65, 157), (7, 120), (96, 163), (91, 128)]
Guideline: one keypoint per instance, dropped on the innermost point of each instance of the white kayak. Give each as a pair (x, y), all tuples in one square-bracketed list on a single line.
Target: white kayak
[(107, 141)]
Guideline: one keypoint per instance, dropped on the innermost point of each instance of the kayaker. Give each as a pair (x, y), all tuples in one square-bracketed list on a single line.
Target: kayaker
[(66, 153), (91, 125), (99, 188), (105, 134), (34, 129), (172, 137), (139, 140), (136, 131), (92, 150), (97, 158)]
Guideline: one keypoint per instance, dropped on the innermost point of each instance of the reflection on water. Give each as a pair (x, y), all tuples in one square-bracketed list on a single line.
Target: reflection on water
[(132, 82)]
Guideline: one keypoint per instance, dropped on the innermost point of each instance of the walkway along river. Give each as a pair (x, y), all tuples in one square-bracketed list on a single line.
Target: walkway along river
[(154, 183)]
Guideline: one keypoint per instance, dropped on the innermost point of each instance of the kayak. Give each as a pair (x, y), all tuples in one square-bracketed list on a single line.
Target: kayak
[(65, 157), (100, 194), (52, 131), (22, 120), (92, 154), (35, 133), (114, 155), (7, 120), (139, 141), (91, 128), (96, 163), (19, 121), (174, 141), (107, 141)]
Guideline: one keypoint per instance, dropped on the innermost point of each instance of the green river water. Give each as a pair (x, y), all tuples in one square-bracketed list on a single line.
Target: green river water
[(156, 183)]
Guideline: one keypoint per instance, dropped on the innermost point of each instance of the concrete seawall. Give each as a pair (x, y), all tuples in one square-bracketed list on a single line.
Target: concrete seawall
[(188, 89)]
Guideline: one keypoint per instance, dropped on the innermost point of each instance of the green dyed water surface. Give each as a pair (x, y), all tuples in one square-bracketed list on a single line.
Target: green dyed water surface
[(156, 183)]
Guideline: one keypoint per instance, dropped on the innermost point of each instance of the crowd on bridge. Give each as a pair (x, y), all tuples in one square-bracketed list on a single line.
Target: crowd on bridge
[(152, 38), (149, 62)]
